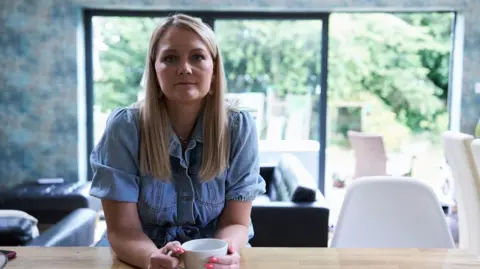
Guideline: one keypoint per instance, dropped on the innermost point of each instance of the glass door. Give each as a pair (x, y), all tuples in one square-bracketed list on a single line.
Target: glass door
[(120, 45), (275, 65), (273, 69)]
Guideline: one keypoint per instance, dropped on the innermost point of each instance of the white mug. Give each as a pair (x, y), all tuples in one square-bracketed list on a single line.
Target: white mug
[(198, 251)]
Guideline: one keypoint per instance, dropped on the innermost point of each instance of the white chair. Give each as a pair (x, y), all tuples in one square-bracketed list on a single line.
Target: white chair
[(476, 157), (458, 152), (476, 153), (391, 212)]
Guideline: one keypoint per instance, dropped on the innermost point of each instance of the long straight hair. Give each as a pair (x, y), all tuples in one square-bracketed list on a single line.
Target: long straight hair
[(154, 126)]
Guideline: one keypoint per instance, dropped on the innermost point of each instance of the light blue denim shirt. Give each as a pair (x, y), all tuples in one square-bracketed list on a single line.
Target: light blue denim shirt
[(185, 208)]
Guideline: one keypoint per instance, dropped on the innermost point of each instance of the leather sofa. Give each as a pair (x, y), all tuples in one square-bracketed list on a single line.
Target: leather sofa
[(76, 229), (47, 215), (293, 212)]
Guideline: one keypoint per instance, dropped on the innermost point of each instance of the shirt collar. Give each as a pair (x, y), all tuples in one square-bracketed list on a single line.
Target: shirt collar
[(197, 133)]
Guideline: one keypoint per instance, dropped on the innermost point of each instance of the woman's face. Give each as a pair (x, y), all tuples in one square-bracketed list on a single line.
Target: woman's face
[(184, 66)]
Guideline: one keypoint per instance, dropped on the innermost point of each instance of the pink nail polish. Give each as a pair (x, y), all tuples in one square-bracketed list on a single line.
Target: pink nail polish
[(213, 259), (209, 266)]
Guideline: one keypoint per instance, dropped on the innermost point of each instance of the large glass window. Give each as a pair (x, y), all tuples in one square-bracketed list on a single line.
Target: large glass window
[(388, 79), (273, 70), (388, 76), (272, 65), (120, 46)]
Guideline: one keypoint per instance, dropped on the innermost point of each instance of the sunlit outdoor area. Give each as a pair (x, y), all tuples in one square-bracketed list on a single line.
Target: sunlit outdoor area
[(387, 89), (272, 69), (388, 79)]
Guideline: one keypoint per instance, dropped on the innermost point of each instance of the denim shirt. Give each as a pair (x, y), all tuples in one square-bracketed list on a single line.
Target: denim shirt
[(183, 208)]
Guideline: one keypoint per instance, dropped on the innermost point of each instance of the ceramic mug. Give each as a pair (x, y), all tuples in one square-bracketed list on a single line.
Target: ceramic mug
[(198, 251), (3, 260)]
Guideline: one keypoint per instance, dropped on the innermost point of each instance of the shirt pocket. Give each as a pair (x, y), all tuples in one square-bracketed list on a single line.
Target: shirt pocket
[(157, 202), (210, 197)]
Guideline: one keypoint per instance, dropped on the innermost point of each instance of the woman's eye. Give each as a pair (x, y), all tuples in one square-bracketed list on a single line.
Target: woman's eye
[(198, 57), (168, 58)]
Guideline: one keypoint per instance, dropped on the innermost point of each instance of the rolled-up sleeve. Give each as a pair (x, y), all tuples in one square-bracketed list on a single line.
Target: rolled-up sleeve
[(243, 182), (114, 160)]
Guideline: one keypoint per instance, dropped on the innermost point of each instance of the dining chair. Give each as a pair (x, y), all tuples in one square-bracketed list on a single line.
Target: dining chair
[(458, 153), (475, 146), (476, 153), (371, 158), (391, 212)]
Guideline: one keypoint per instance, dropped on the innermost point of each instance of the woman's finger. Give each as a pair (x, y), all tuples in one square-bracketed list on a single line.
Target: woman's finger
[(221, 266), (161, 260), (225, 260), (173, 247)]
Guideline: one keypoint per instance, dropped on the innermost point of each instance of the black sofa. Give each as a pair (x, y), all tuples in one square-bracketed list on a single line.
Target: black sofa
[(293, 212), (47, 215)]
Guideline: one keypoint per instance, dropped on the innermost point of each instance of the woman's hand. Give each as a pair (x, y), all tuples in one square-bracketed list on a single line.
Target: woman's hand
[(230, 261), (164, 258)]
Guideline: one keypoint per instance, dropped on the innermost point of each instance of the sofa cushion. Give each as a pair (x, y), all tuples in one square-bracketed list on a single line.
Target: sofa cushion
[(298, 182), (272, 188), (17, 228), (49, 203), (75, 230), (280, 191)]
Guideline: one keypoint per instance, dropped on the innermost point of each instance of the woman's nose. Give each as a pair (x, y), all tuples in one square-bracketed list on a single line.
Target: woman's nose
[(184, 68)]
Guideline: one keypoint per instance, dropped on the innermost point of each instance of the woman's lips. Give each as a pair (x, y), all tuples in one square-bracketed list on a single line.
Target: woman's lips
[(185, 83)]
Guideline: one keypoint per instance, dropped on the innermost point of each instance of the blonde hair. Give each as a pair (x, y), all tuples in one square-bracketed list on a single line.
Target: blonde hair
[(154, 126)]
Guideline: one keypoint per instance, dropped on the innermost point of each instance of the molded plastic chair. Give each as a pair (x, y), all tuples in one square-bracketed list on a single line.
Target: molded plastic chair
[(474, 216), (391, 212), (458, 152)]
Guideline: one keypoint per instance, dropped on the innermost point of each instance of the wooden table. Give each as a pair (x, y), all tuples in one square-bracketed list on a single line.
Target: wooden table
[(260, 258)]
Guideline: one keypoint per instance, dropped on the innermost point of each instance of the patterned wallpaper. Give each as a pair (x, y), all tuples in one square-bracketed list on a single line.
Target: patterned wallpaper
[(38, 91), (39, 83)]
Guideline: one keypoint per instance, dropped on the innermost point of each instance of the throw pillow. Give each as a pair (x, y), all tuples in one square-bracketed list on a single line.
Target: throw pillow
[(17, 228)]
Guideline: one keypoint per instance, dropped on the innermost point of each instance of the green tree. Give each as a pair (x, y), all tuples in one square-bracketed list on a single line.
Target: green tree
[(437, 60), (122, 47), (270, 54), (401, 60), (381, 54)]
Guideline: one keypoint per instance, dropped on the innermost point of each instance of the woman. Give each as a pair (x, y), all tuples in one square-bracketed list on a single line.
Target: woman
[(182, 165)]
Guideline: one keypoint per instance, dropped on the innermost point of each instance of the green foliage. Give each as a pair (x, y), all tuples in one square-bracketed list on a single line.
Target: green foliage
[(282, 55), (399, 60), (436, 59), (385, 59), (121, 59)]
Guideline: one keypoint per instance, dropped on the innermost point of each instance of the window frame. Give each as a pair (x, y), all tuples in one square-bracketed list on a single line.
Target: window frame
[(209, 17)]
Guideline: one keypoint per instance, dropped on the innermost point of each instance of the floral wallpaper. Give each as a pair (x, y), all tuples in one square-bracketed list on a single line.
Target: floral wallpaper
[(40, 46)]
